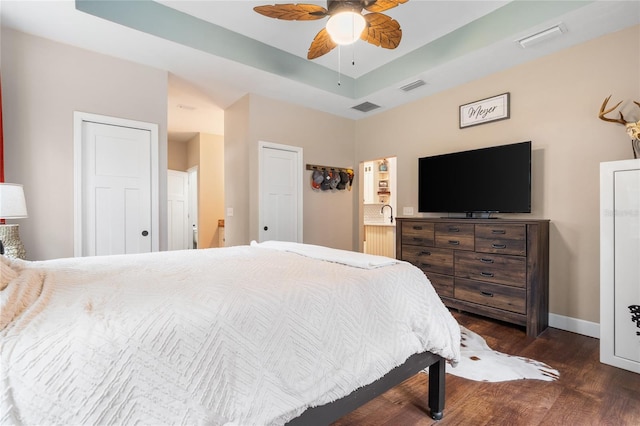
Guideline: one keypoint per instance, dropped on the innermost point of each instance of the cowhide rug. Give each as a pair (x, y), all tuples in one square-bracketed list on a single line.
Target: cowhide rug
[(481, 363)]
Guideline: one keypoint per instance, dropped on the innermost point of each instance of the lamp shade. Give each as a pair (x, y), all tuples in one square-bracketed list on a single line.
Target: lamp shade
[(346, 27), (12, 203)]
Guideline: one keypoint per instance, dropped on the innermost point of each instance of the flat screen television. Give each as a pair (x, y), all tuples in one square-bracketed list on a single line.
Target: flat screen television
[(495, 179)]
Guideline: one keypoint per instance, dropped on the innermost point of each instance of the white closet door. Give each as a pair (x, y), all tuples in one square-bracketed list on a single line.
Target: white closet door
[(280, 193), (620, 264), (116, 188)]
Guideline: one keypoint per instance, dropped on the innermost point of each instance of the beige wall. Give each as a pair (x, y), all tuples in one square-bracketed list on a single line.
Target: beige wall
[(554, 103), (177, 156), (193, 151), (325, 139), (236, 172), (43, 83), (210, 189)]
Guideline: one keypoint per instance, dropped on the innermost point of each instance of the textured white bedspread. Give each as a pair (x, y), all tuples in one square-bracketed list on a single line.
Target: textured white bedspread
[(236, 336)]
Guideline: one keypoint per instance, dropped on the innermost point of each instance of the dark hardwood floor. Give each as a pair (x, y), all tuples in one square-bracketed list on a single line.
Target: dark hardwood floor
[(587, 393)]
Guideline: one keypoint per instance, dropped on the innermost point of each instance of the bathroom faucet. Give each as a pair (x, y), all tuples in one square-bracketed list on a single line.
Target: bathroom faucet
[(382, 211)]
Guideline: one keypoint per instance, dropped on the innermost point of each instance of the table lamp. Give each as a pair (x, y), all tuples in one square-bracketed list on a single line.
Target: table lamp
[(12, 206)]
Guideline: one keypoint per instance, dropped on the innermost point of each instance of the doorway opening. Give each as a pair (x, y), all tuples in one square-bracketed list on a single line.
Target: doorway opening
[(201, 159), (378, 203), (195, 145)]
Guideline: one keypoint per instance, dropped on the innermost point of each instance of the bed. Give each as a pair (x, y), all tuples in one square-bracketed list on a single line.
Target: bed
[(263, 334)]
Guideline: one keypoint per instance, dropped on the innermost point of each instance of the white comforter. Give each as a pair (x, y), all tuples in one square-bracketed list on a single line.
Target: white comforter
[(238, 336)]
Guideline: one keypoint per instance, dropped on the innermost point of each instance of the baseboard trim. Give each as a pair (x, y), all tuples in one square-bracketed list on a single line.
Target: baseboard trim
[(575, 325)]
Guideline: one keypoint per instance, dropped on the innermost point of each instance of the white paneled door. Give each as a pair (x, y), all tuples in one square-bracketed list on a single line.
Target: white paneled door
[(178, 210), (116, 189), (280, 193)]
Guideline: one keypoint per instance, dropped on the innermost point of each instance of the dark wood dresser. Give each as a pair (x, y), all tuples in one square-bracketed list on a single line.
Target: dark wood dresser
[(498, 268)]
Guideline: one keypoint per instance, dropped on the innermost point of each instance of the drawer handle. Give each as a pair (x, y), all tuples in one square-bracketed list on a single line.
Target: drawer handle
[(417, 228), (498, 231), (486, 294), (454, 242), (425, 265), (499, 246), (417, 239), (485, 260), (454, 229), (487, 274), (425, 253)]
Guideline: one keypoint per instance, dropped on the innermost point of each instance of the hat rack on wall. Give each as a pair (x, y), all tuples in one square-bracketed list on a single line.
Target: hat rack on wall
[(330, 178), (330, 168)]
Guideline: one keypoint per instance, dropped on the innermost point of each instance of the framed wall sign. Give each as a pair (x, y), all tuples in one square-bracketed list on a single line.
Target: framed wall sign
[(485, 111)]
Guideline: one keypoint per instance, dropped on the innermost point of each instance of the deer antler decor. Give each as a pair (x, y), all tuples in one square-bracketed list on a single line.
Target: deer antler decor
[(633, 128)]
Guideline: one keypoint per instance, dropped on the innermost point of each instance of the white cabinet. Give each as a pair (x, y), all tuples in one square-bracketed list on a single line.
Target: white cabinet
[(620, 264), (369, 196), (378, 181)]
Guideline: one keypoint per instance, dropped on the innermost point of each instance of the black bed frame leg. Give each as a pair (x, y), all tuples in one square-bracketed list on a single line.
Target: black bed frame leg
[(436, 389)]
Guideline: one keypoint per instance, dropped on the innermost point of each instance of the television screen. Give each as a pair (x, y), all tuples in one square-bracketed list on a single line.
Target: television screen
[(495, 179)]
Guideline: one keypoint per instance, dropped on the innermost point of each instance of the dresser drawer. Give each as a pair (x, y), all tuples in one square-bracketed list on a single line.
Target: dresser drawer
[(495, 295), (495, 268), (504, 239), (442, 283), (417, 233), (455, 236), (429, 259)]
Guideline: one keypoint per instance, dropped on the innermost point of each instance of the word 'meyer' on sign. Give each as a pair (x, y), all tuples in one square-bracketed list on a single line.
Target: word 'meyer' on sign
[(485, 111)]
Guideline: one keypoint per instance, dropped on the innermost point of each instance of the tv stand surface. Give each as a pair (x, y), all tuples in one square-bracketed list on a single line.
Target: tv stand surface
[(468, 217), (493, 267)]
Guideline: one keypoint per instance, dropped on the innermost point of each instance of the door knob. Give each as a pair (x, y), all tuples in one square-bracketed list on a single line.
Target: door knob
[(266, 228), (145, 233)]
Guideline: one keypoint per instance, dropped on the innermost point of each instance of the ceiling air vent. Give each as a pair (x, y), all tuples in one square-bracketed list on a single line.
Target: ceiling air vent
[(541, 36), (414, 85), (366, 107)]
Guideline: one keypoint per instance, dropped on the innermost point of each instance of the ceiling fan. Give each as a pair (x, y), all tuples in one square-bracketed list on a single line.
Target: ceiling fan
[(346, 22)]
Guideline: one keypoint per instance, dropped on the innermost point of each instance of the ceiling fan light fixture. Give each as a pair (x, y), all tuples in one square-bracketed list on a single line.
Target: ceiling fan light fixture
[(346, 27)]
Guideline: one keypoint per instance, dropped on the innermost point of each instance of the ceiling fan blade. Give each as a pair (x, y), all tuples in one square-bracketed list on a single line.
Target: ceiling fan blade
[(382, 5), (321, 44), (382, 31), (293, 12)]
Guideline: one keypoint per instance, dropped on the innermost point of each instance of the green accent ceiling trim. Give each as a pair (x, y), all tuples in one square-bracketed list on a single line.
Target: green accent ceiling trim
[(162, 21), (170, 24), (483, 32)]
